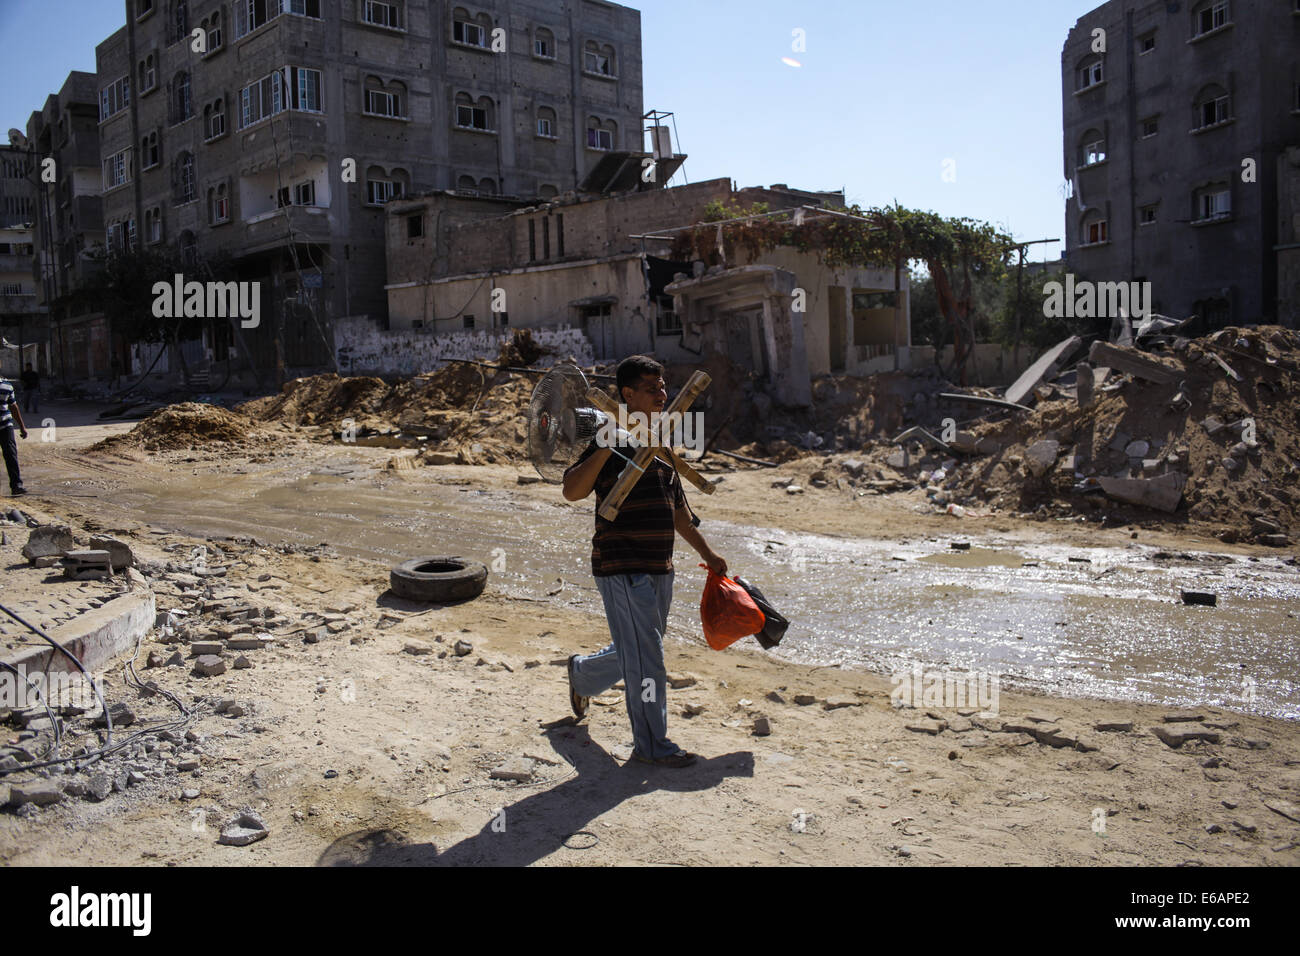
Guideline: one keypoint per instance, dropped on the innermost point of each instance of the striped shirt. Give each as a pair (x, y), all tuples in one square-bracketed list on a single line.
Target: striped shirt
[(640, 540), (6, 396)]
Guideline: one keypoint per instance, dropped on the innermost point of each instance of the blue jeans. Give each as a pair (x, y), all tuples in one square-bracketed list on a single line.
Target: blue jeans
[(636, 606)]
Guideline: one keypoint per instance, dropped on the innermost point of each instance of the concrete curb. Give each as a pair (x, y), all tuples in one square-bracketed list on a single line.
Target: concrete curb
[(95, 637)]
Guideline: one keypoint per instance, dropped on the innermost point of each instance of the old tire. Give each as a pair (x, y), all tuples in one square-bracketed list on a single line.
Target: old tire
[(438, 579)]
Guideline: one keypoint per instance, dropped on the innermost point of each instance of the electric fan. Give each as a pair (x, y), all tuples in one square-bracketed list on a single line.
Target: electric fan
[(561, 421)]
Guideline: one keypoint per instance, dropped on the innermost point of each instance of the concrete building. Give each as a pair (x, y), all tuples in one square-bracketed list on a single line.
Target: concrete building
[(602, 266), (1176, 116), (20, 310), (278, 135), (69, 227)]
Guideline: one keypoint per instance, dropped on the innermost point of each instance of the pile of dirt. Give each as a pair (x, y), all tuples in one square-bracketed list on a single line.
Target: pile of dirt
[(1232, 443), (184, 426), (463, 411)]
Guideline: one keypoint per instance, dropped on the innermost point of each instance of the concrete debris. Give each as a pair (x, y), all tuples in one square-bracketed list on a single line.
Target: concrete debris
[(1175, 735), (209, 665), (248, 827), (1041, 456), (518, 769), (1162, 493), (1208, 598), (1045, 367), (48, 541), (762, 727), (463, 648), (1131, 361)]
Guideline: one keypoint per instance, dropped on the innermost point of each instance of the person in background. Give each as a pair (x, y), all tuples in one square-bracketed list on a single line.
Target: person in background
[(8, 445), (31, 390)]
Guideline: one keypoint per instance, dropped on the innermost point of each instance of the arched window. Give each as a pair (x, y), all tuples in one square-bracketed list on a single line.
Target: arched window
[(475, 114), (148, 73), (488, 187), (1093, 228), (189, 247), (601, 135), (544, 43), (466, 184), (547, 191), (182, 107), (383, 185), (212, 30), (470, 29), (598, 59), (149, 150), (384, 99), (218, 204), (180, 21), (184, 177), (1212, 105), (214, 119), (1092, 148), (547, 122)]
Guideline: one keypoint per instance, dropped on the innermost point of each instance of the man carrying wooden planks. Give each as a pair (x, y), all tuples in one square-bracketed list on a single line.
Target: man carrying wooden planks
[(632, 562)]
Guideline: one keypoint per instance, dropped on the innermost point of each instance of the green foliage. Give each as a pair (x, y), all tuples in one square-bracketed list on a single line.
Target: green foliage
[(718, 211)]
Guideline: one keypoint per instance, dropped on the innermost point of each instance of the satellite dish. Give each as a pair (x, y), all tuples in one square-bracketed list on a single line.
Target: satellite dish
[(16, 138)]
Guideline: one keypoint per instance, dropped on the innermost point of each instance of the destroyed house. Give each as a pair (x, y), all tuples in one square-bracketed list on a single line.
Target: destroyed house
[(602, 265)]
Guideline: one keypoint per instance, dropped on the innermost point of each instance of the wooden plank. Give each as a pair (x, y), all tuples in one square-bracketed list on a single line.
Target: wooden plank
[(633, 471)]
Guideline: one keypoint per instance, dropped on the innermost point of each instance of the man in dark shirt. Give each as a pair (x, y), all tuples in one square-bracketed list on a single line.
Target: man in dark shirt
[(632, 562), (31, 390)]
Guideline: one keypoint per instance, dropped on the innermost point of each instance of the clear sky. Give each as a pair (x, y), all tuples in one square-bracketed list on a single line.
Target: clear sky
[(885, 93)]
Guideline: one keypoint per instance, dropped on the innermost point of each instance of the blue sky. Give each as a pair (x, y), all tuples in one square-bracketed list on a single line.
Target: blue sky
[(887, 91)]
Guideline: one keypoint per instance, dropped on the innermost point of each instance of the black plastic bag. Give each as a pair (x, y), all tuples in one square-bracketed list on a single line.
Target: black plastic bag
[(775, 625)]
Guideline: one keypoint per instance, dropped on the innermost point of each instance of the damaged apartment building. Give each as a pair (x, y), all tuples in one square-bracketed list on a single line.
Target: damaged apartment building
[(598, 262), (276, 131)]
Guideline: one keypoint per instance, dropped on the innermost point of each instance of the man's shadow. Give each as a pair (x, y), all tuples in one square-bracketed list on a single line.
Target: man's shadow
[(539, 824)]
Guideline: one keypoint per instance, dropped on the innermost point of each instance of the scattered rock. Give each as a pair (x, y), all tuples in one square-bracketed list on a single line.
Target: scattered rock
[(519, 769), (242, 663), (1182, 716), (244, 829), (463, 648), (123, 716), (1121, 726), (927, 726), (1175, 735), (762, 727), (418, 648), (804, 700), (40, 793), (1207, 598), (209, 665), (189, 794), (835, 703), (48, 541), (680, 681)]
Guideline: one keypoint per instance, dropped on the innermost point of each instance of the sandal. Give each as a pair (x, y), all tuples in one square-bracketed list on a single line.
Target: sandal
[(576, 700), (682, 758)]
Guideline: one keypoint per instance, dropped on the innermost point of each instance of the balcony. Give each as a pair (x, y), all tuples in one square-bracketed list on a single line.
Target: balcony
[(270, 229)]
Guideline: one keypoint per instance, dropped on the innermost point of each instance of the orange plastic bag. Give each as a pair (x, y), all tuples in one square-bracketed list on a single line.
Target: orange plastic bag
[(727, 612)]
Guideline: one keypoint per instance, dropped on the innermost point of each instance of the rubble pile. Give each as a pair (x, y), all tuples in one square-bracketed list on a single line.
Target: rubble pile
[(1207, 430), (461, 413), (187, 425)]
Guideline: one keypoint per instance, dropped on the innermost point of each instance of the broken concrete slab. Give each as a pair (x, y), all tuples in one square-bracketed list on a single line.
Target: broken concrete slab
[(518, 769), (1109, 726), (1162, 493), (1175, 735), (1129, 360), (209, 665), (1045, 367), (1083, 384), (119, 552), (48, 541), (1041, 456), (244, 829), (41, 793)]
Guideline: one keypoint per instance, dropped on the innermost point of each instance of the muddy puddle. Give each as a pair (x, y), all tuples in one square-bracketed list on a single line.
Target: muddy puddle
[(1103, 622)]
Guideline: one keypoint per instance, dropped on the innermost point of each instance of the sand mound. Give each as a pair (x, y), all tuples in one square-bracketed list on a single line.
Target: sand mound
[(187, 425)]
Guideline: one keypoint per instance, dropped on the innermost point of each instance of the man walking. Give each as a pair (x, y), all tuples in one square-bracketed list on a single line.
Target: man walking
[(8, 409), (632, 562), (31, 390)]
